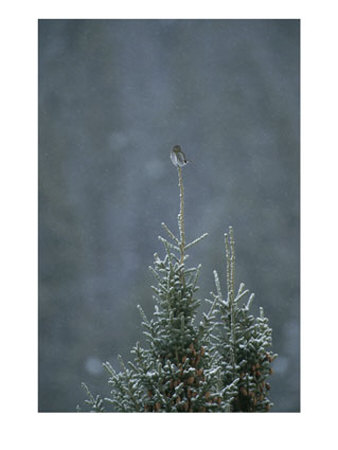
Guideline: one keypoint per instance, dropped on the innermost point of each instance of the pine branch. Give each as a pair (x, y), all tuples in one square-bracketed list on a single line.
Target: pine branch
[(195, 241), (171, 234)]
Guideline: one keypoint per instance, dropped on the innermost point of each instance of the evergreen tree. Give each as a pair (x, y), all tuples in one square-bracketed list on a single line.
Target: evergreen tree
[(242, 341), (218, 365)]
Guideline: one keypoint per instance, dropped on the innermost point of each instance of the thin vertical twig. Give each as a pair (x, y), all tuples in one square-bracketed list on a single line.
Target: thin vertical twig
[(181, 214), (230, 258)]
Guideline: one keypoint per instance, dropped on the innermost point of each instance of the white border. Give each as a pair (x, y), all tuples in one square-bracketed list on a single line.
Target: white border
[(22, 425)]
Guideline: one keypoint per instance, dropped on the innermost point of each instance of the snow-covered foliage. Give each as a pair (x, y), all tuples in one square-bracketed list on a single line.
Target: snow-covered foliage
[(218, 365), (242, 341)]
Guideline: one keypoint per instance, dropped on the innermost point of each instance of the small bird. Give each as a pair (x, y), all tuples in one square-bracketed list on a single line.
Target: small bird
[(178, 157)]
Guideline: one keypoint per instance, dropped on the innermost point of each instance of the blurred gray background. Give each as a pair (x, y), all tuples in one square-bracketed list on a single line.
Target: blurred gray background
[(114, 97)]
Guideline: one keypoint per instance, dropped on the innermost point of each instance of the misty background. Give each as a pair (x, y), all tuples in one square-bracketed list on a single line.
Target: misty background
[(114, 97)]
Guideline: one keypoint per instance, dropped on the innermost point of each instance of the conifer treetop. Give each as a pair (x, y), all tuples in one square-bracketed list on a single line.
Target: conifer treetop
[(220, 364)]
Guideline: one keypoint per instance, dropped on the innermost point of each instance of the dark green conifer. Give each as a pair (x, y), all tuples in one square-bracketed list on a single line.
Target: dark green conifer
[(242, 341), (218, 365)]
